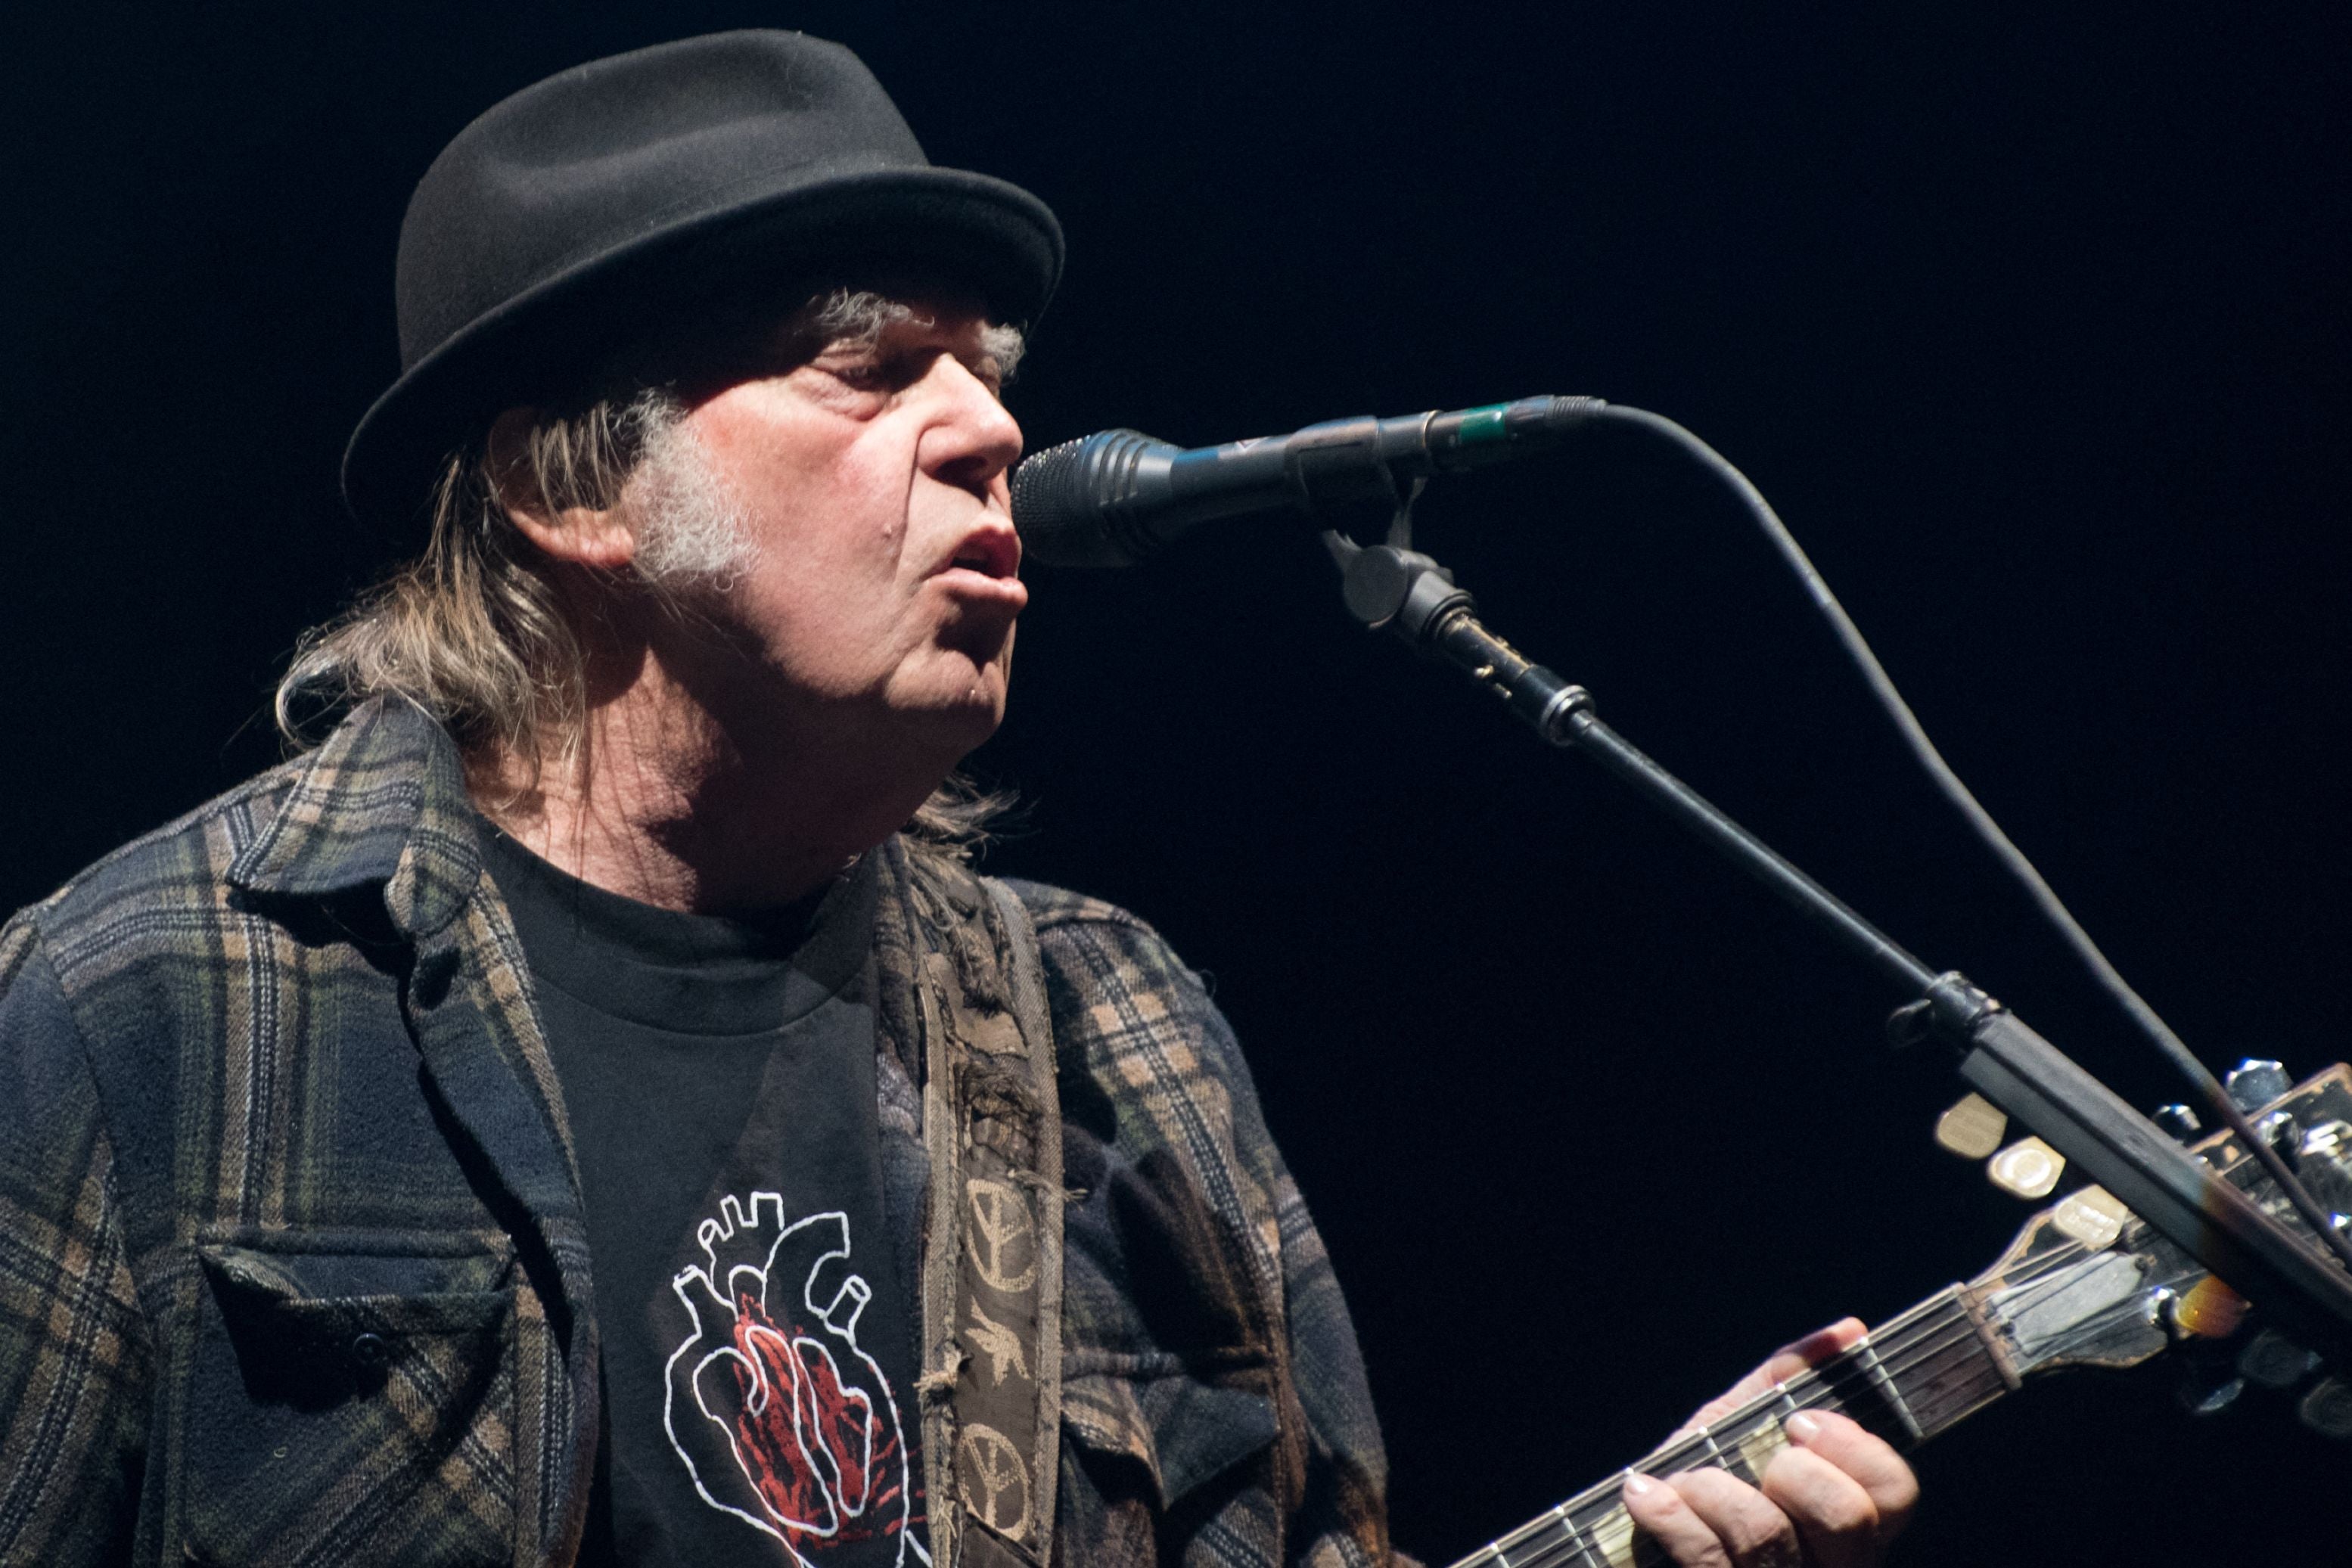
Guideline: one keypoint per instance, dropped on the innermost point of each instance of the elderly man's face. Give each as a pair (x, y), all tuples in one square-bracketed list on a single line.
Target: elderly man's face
[(878, 581)]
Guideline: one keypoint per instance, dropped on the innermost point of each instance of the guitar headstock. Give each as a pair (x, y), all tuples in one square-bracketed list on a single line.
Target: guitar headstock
[(2088, 1283)]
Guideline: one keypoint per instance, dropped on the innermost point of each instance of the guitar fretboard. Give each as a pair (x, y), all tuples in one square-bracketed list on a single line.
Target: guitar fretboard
[(1911, 1379)]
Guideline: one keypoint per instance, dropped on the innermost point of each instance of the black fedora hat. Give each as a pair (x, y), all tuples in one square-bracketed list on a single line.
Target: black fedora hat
[(584, 208)]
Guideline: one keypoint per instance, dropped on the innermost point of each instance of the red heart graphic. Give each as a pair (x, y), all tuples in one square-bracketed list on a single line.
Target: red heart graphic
[(813, 1448)]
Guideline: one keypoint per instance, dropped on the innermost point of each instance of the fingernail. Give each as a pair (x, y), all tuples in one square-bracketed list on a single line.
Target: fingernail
[(1638, 1486), (1802, 1428)]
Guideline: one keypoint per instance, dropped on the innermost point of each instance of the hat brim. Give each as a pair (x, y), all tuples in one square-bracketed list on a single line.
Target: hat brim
[(984, 233)]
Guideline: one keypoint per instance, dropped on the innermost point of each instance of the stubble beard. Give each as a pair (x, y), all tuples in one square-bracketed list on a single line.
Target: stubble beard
[(692, 537)]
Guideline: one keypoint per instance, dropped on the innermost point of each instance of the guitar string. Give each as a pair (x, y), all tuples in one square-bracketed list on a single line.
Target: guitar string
[(1576, 1542), (1902, 1349), (1809, 1391), (1898, 1357)]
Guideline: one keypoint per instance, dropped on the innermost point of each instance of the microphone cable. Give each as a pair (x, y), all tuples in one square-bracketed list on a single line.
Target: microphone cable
[(1857, 649)]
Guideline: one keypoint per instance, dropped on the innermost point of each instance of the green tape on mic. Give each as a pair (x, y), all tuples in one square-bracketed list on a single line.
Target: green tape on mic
[(1480, 425)]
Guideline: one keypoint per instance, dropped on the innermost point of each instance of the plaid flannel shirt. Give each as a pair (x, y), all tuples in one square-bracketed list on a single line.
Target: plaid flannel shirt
[(292, 1261)]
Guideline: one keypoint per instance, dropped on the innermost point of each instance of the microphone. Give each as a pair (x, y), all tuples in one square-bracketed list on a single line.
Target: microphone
[(1116, 496)]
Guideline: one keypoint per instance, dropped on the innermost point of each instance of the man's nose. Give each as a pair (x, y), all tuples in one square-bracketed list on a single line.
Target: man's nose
[(974, 438)]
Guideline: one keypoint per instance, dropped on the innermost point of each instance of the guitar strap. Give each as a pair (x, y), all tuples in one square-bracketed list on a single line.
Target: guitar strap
[(992, 1271)]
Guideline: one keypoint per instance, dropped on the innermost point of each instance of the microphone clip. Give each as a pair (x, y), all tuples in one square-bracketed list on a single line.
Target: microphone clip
[(1392, 584), (1341, 474), (1401, 589)]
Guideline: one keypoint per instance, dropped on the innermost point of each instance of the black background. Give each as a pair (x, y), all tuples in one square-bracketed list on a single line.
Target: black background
[(2029, 319)]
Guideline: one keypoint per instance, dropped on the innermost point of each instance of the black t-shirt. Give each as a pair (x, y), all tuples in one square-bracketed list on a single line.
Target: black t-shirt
[(758, 1341)]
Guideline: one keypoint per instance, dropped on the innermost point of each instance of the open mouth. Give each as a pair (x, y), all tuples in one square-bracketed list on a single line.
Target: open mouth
[(994, 552)]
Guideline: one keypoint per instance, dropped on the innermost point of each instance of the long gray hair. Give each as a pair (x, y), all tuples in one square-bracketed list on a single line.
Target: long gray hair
[(472, 630)]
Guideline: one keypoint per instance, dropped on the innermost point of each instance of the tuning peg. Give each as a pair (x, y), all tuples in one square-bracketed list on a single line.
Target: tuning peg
[(2330, 1140), (2092, 1217), (2206, 1395), (2179, 1121), (2027, 1168), (2328, 1408), (1971, 1129), (2281, 1132), (2255, 1083), (2274, 1361)]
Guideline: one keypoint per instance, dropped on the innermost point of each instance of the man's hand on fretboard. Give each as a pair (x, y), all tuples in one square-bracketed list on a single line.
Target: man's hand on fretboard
[(1831, 1494)]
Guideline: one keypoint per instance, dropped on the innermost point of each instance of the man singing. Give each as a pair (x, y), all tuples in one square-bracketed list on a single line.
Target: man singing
[(584, 1107)]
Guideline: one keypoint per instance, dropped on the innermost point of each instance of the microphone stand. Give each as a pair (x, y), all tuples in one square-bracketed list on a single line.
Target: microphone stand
[(1391, 586)]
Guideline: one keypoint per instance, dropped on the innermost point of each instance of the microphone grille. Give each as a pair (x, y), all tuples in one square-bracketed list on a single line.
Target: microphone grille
[(1060, 497)]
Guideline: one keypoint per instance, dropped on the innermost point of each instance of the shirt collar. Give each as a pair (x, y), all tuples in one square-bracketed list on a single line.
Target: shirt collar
[(381, 803)]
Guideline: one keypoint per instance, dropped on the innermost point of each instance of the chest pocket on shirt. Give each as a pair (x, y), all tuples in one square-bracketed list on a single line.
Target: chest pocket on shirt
[(350, 1403), (1168, 1378), (1183, 1431)]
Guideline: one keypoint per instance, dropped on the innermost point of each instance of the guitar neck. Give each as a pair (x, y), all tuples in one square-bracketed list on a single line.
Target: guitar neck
[(1913, 1377)]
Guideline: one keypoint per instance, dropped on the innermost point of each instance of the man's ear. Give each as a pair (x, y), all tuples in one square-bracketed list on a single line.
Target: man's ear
[(584, 536)]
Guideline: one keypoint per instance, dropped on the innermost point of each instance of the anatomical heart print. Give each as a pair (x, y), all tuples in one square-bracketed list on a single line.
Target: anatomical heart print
[(779, 1413)]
